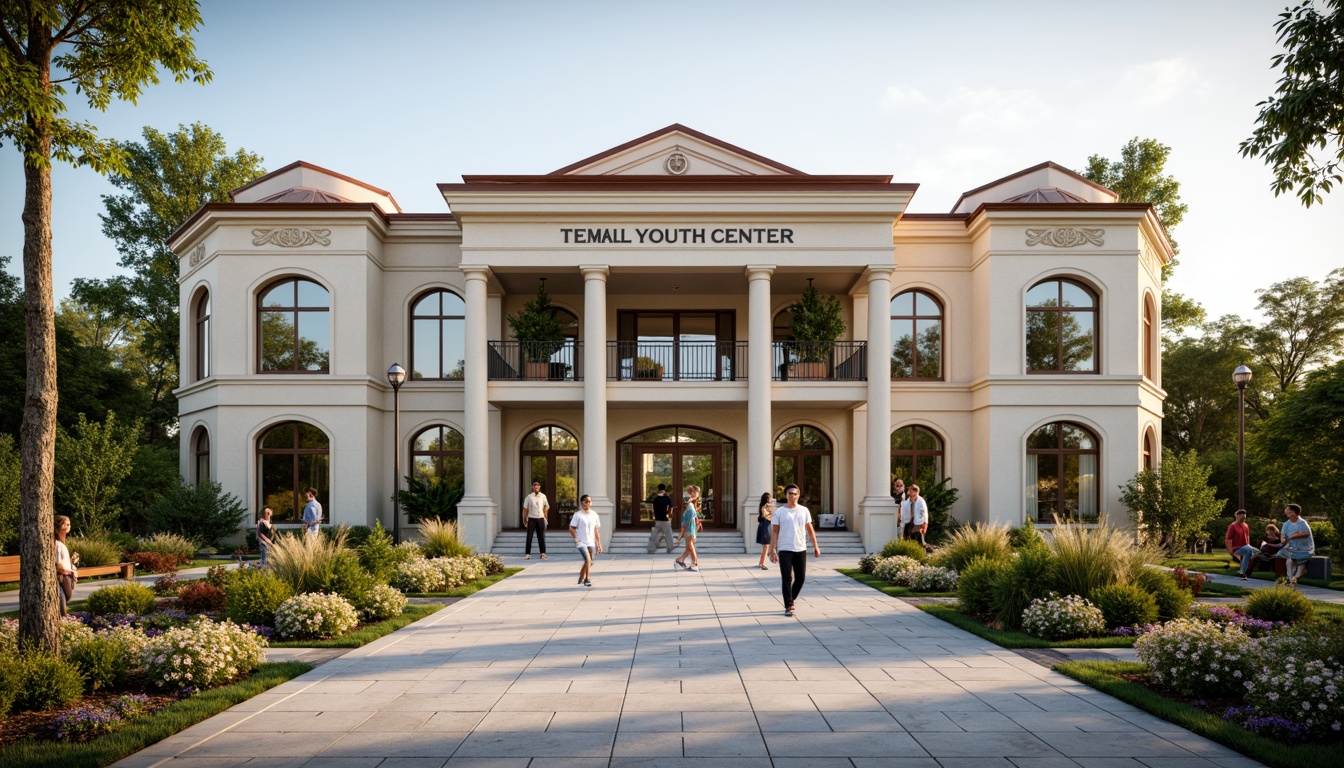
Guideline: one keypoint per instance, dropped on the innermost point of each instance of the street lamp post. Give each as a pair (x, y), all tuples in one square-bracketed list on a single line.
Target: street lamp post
[(396, 376), (1242, 377)]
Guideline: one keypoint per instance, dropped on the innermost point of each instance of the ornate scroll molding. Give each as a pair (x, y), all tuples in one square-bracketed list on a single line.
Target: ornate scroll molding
[(197, 255), (1065, 237), (291, 237)]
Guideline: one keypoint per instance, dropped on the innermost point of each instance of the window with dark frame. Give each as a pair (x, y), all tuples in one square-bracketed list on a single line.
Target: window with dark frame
[(437, 456), (202, 455), (916, 336), (1061, 327), (1148, 448), (1062, 461), (291, 457), (294, 327), (438, 336), (803, 457), (202, 356), (916, 456), (1149, 339)]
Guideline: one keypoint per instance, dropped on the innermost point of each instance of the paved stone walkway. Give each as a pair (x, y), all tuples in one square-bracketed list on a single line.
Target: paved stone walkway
[(654, 667)]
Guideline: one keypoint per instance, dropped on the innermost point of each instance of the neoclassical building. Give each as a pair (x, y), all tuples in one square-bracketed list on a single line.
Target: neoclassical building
[(1010, 345)]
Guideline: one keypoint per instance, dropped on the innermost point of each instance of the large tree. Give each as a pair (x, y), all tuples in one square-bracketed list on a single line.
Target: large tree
[(166, 178), (1299, 450), (103, 49), (1304, 326), (1301, 126), (1201, 406), (1173, 502)]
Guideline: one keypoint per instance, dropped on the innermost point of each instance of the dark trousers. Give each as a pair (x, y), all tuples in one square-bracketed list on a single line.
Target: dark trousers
[(792, 574), (537, 524)]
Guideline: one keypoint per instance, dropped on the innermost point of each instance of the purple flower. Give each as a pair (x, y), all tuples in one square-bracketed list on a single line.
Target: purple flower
[(85, 721)]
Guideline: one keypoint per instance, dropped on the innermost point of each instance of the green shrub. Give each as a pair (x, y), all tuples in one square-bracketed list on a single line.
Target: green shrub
[(254, 594), (1125, 605), (201, 512), (1278, 603), (381, 602), (439, 539), (170, 544), (1323, 532), (156, 562), (200, 597), (906, 547), (349, 580), (493, 564), (216, 574), (1028, 577), (972, 541), (125, 542), (975, 588), (105, 658), (940, 497), (122, 598), (379, 556), (46, 682), (1025, 535), (94, 550), (11, 679), (355, 535), (1173, 602), (1088, 558)]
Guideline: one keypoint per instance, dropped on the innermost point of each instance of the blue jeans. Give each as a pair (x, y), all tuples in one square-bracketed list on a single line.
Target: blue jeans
[(1246, 554)]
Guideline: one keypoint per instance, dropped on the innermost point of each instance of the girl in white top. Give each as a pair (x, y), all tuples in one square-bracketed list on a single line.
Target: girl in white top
[(65, 564)]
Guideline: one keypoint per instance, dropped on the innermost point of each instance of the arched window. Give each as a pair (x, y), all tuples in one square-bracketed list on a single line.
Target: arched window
[(1149, 449), (438, 336), (1061, 328), (1149, 340), (294, 328), (1062, 473), (916, 336), (202, 336), (550, 456), (201, 450), (293, 456), (436, 461), (916, 456), (803, 457)]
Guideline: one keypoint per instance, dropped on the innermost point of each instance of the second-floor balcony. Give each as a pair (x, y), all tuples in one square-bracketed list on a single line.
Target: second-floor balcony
[(535, 361), (676, 360), (708, 360), (820, 361)]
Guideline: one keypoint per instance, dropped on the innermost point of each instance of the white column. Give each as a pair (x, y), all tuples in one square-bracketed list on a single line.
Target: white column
[(594, 474), (877, 508), (760, 377), (476, 512)]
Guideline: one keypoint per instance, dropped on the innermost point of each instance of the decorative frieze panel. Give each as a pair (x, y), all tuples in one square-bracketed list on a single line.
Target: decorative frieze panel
[(291, 237), (197, 255), (1065, 237)]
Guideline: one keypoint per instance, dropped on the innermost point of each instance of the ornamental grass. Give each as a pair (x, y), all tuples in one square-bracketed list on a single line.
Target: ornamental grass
[(439, 539), (1089, 558), (305, 563), (972, 541)]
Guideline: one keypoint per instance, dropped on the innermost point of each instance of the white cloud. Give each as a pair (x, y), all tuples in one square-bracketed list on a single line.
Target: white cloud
[(997, 110), (1158, 82), (898, 96)]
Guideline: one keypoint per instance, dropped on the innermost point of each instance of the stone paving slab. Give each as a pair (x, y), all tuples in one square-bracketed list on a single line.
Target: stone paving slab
[(652, 668)]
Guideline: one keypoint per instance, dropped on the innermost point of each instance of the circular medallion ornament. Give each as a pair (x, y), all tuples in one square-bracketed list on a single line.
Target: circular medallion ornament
[(676, 164)]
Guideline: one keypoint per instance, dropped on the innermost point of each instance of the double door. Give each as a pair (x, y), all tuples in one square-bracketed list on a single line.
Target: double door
[(558, 473), (679, 466)]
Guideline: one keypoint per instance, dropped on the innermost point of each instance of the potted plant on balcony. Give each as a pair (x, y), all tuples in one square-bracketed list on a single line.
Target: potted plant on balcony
[(815, 324), (539, 332), (648, 368)]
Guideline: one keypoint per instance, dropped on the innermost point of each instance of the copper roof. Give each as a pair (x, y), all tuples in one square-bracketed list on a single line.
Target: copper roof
[(304, 195), (1046, 195)]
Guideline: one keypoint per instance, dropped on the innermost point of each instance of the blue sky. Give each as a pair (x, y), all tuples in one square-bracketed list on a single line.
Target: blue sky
[(404, 95)]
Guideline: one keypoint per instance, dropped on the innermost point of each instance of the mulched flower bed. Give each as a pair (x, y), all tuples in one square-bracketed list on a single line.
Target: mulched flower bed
[(41, 725), (1232, 710)]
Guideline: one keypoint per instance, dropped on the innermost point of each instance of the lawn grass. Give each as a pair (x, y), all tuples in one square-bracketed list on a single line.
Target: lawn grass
[(144, 731), (1216, 562), (888, 588), (366, 634), (472, 587), (1105, 676), (1009, 639), (1225, 590)]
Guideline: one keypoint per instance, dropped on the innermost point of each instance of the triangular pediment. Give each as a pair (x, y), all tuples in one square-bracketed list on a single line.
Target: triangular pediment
[(677, 151)]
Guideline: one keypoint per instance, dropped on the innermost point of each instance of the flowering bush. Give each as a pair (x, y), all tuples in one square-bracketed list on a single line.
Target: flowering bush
[(167, 585), (315, 614), (493, 564), (85, 723), (417, 575), (382, 602), (867, 563), (254, 594), (1277, 728), (932, 578), (1197, 657), (216, 574), (891, 568), (105, 658), (1227, 615), (200, 597), (1301, 684), (1061, 618), (201, 654), (459, 570)]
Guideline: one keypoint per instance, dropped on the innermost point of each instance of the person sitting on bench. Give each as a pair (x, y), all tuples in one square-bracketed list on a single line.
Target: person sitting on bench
[(1238, 541)]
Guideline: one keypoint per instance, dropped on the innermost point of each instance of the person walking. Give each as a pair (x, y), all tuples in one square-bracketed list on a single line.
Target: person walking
[(312, 513), (690, 526), (763, 528), (66, 575), (535, 507), (790, 527), (662, 521), (265, 533), (1238, 542), (919, 513), (1298, 543), (585, 527)]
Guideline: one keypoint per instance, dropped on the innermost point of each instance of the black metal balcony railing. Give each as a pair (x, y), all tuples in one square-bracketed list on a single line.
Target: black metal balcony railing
[(820, 361), (676, 360), (530, 360)]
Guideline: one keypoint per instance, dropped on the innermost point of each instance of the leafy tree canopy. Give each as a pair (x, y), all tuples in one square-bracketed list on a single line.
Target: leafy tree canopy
[(1137, 177), (1298, 452), (1172, 503), (1304, 326), (1300, 131), (91, 462)]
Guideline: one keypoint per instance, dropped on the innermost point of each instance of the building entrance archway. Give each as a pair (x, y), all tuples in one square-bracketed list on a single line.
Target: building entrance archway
[(550, 456), (677, 457)]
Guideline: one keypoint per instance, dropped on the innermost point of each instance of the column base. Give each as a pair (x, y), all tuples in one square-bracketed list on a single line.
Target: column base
[(476, 521), (606, 515), (879, 515)]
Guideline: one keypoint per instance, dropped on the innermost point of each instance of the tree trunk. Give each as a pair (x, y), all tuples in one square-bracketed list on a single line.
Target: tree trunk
[(39, 606)]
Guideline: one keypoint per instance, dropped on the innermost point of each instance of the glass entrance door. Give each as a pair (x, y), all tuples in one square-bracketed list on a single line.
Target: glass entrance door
[(559, 478), (698, 467)]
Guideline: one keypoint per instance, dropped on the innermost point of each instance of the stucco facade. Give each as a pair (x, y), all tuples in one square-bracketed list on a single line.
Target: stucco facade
[(681, 248)]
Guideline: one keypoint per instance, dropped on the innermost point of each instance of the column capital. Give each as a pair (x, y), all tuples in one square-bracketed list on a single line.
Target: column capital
[(759, 271), (594, 271), (475, 271), (878, 272)]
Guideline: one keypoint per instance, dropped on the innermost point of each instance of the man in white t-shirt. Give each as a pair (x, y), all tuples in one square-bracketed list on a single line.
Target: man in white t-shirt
[(914, 514), (790, 528), (535, 506), (583, 526)]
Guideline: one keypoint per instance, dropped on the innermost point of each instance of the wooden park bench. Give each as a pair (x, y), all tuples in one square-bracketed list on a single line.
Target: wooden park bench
[(9, 569)]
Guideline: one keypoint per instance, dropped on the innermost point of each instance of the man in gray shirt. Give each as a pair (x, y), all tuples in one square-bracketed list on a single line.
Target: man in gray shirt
[(662, 521)]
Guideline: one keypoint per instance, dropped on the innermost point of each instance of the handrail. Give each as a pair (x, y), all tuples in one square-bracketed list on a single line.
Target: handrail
[(820, 361), (676, 360), (535, 361)]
